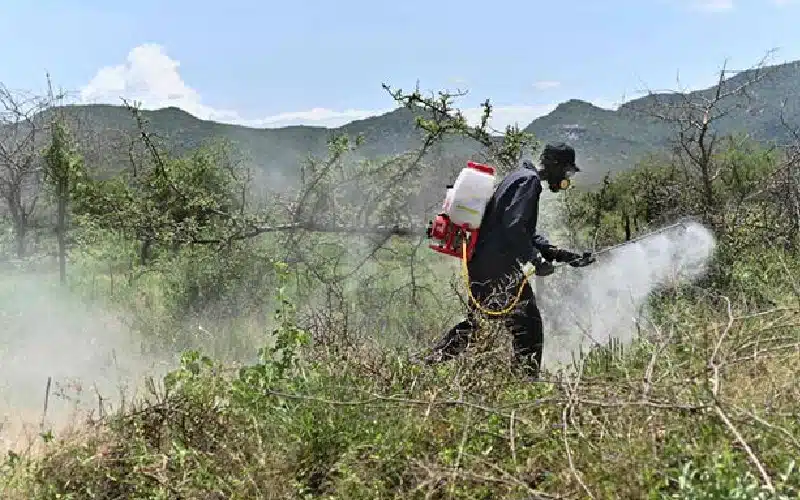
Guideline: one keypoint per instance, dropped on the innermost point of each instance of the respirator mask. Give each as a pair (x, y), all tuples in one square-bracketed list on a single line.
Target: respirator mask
[(558, 162), (558, 177)]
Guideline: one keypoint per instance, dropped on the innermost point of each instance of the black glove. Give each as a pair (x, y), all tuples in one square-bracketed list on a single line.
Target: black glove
[(544, 268), (539, 266), (581, 260)]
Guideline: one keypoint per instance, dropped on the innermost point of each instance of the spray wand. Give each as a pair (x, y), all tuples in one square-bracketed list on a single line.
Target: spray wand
[(609, 249)]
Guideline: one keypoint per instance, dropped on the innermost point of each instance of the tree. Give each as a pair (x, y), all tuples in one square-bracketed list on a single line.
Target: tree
[(22, 126), (693, 117), (62, 168), (168, 202), (438, 118)]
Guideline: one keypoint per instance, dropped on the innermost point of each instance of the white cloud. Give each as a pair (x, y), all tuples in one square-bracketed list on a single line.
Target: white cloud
[(713, 5), (152, 78), (546, 84)]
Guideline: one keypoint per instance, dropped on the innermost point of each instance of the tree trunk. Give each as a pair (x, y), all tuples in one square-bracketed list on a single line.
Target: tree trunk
[(18, 221), (627, 227), (61, 228), (144, 252), (20, 233)]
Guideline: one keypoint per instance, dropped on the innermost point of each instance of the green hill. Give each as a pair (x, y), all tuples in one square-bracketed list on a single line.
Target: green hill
[(612, 140), (604, 139)]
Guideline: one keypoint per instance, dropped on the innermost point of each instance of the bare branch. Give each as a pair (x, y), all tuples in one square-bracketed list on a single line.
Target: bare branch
[(22, 126)]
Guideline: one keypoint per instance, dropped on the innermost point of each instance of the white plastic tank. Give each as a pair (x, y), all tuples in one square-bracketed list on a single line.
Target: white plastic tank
[(448, 200), (470, 193)]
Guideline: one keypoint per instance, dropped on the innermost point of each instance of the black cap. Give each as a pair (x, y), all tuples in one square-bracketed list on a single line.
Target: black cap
[(560, 154)]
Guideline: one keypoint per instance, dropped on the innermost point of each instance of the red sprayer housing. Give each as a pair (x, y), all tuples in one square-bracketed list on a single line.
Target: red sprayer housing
[(449, 235)]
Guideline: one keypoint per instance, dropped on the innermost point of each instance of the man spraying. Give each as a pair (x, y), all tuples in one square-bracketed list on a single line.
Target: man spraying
[(508, 242)]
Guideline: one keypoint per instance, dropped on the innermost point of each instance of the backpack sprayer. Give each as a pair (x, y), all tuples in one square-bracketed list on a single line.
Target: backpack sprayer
[(459, 221)]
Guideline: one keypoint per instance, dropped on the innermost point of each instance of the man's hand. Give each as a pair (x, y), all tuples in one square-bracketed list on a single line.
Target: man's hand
[(544, 268), (582, 260), (541, 268), (574, 259)]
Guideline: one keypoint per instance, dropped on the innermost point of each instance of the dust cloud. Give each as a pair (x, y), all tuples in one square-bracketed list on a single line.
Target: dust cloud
[(90, 356), (608, 299)]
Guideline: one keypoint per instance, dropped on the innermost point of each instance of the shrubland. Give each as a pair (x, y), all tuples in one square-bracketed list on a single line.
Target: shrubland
[(289, 329)]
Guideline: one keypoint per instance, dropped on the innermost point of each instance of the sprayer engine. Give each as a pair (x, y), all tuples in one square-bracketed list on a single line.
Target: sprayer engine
[(462, 211), (450, 237)]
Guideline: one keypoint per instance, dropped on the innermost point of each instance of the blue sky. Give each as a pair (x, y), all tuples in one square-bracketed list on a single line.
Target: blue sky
[(267, 63)]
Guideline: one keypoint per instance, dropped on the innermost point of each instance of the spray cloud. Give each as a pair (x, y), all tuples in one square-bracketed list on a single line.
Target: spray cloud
[(606, 300), (85, 351)]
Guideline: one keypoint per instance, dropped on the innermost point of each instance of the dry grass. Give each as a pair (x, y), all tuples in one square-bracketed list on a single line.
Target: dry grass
[(714, 389)]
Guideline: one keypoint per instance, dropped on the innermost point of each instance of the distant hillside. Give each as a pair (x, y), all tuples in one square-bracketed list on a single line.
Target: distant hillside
[(604, 139), (612, 140), (107, 130)]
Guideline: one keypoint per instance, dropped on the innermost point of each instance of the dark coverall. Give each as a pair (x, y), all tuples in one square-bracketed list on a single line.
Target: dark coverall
[(506, 240)]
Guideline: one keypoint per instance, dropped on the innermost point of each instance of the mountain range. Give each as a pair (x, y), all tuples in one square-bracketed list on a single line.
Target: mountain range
[(605, 140)]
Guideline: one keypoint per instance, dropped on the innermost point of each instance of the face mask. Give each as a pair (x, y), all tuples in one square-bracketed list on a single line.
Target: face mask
[(560, 180)]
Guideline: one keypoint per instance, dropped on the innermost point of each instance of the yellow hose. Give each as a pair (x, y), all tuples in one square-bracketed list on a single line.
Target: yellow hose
[(465, 271)]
